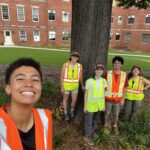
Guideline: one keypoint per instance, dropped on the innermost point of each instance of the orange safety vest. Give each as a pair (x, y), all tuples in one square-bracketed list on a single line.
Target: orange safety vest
[(9, 135), (115, 88)]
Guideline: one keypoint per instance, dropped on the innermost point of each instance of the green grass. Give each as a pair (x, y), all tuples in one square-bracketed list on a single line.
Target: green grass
[(57, 58)]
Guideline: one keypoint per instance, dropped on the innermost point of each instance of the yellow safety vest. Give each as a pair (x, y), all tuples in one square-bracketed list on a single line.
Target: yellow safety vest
[(135, 91), (71, 77), (95, 99)]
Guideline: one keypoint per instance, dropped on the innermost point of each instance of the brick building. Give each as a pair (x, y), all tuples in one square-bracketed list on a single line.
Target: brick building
[(48, 22), (130, 28), (35, 22)]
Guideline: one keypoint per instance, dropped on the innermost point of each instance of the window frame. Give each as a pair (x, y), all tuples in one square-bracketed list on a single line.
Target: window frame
[(22, 39), (49, 11), (3, 12), (131, 17), (147, 15), (65, 12), (20, 6), (117, 34), (35, 7), (34, 39), (49, 35), (126, 38), (141, 41), (119, 20)]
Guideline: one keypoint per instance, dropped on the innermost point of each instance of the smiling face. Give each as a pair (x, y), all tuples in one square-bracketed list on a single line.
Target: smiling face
[(74, 59), (25, 85), (117, 65), (135, 71), (98, 72)]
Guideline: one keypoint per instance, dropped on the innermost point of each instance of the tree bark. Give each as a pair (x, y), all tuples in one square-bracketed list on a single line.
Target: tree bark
[(90, 34)]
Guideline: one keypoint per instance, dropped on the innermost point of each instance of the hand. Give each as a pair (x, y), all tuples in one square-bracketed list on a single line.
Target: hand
[(85, 110), (122, 102)]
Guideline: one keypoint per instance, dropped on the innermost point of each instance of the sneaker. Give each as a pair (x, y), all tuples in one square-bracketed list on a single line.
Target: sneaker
[(66, 117), (72, 113), (89, 141)]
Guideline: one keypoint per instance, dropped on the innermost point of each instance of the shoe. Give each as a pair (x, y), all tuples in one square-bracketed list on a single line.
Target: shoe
[(66, 117), (89, 141), (72, 113)]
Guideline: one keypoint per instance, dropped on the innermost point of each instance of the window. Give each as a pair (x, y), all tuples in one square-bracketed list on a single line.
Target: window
[(147, 20), (65, 36), (145, 39), (66, 0), (35, 14), (52, 36), (120, 19), (20, 12), (65, 16), (5, 12), (117, 36), (36, 35), (110, 36), (51, 15), (22, 35), (128, 37), (131, 19), (112, 19)]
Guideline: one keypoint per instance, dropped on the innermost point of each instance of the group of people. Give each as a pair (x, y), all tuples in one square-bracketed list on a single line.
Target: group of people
[(24, 127), (104, 92)]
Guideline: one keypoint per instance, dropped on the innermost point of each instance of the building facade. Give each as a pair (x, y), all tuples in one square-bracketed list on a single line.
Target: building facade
[(130, 29), (35, 22), (48, 22)]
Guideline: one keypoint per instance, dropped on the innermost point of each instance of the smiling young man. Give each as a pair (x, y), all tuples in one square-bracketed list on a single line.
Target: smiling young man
[(115, 94), (23, 127)]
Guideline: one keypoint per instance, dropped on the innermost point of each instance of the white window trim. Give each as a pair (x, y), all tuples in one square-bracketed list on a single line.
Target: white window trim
[(125, 37), (38, 14), (49, 34), (118, 19), (2, 4), (25, 39), (117, 33), (131, 16), (52, 10), (23, 12), (65, 32), (147, 15), (65, 12), (39, 36)]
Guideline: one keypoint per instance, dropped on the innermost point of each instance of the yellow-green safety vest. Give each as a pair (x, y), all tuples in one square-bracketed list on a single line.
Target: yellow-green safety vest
[(71, 77), (135, 91), (95, 98)]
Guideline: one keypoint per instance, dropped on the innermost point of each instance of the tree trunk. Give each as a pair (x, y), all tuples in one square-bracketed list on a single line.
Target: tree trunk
[(90, 34)]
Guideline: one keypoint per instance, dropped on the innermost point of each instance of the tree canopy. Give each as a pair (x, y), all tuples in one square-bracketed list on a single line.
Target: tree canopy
[(140, 4)]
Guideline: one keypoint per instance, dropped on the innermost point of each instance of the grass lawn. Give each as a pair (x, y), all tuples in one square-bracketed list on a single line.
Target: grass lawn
[(57, 58)]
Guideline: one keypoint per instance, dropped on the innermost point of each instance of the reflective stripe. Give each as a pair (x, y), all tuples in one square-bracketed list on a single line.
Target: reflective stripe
[(91, 94), (109, 92), (44, 121), (3, 128), (134, 91), (68, 80)]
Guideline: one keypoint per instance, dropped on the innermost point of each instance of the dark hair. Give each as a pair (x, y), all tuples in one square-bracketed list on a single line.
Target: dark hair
[(131, 74), (119, 58), (77, 60), (21, 62)]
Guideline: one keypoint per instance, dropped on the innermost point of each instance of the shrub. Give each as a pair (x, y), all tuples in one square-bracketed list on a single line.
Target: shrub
[(3, 97)]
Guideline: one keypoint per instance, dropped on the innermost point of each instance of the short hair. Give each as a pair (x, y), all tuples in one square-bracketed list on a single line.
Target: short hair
[(21, 62), (119, 58)]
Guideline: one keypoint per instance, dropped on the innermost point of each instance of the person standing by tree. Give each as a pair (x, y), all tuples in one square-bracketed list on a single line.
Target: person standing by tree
[(94, 101), (21, 125), (115, 94), (71, 75), (134, 94)]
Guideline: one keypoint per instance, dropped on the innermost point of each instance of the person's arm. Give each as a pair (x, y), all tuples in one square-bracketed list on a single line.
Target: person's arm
[(146, 83), (85, 100), (61, 79)]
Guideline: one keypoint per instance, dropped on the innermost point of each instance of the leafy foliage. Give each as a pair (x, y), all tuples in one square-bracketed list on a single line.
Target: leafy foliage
[(3, 97), (137, 3)]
